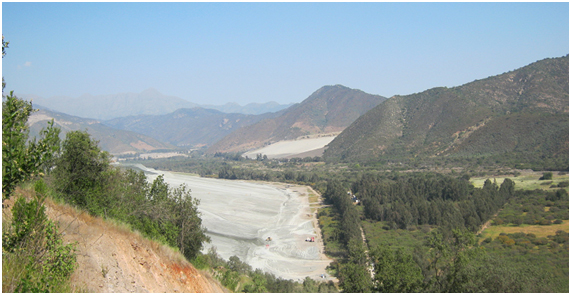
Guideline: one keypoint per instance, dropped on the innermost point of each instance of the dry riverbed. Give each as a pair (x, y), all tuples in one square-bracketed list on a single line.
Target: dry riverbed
[(240, 216)]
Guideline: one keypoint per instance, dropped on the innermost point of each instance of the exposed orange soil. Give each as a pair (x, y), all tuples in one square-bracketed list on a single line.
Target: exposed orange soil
[(112, 259)]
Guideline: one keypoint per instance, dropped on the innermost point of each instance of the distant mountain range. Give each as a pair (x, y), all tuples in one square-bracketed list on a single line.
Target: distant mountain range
[(110, 139), (330, 109), (249, 109), (522, 114), (194, 127), (148, 102)]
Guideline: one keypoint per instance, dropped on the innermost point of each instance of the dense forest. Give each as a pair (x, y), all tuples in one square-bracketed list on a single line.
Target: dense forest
[(431, 199)]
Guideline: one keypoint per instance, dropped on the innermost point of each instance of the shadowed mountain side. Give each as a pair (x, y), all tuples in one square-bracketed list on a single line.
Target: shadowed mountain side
[(110, 139), (329, 109), (193, 127), (525, 111)]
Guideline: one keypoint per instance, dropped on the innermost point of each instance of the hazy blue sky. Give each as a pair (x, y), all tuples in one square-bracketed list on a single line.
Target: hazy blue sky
[(257, 52)]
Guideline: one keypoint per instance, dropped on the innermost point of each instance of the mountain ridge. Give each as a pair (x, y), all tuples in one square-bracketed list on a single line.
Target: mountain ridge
[(193, 127), (148, 102), (437, 122), (327, 110), (110, 139)]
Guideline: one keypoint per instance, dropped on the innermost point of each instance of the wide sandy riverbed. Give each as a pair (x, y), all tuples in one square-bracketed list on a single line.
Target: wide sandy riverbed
[(240, 216)]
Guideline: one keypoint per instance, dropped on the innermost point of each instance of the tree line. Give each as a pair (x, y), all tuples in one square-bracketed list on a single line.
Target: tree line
[(432, 199)]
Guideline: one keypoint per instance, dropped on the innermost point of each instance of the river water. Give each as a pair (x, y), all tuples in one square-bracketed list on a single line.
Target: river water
[(240, 216)]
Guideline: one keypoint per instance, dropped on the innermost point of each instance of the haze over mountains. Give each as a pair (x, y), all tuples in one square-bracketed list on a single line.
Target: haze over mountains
[(194, 127), (148, 102), (113, 140), (522, 113), (249, 109)]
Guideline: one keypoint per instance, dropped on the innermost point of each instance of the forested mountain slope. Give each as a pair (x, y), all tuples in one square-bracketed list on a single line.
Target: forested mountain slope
[(329, 109), (522, 114), (187, 127), (110, 139)]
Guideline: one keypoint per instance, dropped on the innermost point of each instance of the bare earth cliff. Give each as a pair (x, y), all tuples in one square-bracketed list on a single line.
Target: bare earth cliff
[(113, 260)]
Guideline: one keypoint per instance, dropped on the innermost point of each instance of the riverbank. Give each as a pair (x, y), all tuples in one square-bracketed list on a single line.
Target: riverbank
[(240, 215)]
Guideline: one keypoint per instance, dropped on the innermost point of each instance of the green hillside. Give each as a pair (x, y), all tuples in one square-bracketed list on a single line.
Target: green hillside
[(522, 115)]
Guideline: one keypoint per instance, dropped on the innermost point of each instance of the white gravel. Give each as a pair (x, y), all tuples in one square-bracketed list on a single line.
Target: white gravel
[(240, 215), (286, 148)]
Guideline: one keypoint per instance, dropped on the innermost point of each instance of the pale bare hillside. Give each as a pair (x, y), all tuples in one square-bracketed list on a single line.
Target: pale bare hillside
[(112, 259)]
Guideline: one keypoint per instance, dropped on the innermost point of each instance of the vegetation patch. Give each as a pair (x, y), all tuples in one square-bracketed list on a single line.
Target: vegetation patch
[(529, 180), (538, 230), (378, 233)]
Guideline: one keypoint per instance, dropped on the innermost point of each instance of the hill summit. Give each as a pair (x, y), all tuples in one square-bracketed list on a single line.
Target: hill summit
[(330, 109), (522, 114)]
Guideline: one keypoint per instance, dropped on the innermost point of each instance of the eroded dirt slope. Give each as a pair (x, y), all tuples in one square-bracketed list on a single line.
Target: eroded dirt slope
[(114, 260)]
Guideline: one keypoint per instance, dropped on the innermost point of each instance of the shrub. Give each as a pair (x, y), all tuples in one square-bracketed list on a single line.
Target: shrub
[(547, 176), (32, 248)]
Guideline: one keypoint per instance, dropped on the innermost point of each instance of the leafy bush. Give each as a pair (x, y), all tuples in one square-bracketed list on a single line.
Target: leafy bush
[(22, 159), (35, 258), (547, 176)]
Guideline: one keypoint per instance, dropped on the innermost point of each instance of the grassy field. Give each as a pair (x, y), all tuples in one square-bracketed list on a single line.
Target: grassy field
[(376, 235), (525, 181), (539, 230)]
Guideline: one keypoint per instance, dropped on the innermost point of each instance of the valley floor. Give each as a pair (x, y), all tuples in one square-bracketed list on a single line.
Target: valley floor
[(240, 216)]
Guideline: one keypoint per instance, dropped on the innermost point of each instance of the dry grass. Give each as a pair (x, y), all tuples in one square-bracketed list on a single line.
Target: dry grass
[(539, 230)]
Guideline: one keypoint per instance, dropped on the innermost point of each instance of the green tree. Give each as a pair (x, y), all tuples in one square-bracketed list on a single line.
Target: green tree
[(309, 285), (546, 176), (22, 158), (395, 271), (258, 284), (355, 278), (450, 255), (79, 173), (186, 218)]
